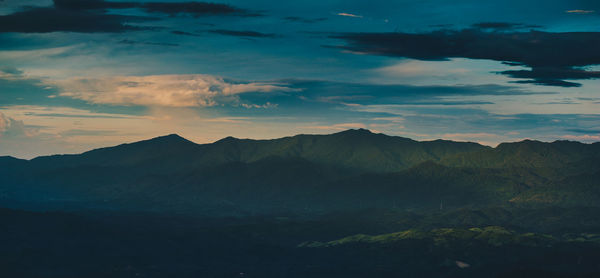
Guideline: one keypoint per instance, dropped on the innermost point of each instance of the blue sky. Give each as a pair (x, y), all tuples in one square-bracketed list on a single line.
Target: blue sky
[(76, 75)]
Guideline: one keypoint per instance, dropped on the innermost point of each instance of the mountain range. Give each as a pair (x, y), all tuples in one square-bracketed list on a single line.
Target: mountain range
[(306, 174), (349, 204)]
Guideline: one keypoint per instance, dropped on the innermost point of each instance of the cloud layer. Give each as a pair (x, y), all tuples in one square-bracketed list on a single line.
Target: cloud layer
[(55, 19), (92, 16), (552, 57), (161, 90), (171, 8)]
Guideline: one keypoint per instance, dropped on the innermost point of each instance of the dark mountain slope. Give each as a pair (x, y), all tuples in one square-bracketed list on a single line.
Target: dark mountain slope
[(166, 149), (356, 149), (313, 173), (169, 207), (527, 154)]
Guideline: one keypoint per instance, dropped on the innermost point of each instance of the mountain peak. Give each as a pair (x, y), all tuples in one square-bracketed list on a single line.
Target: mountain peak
[(359, 131), (171, 138), (227, 139), (170, 141)]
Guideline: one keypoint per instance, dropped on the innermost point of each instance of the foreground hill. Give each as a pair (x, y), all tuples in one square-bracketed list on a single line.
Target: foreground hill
[(350, 204), (307, 174)]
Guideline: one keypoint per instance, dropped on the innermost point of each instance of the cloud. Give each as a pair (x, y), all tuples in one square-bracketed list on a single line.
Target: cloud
[(171, 8), (552, 57), (416, 69), (92, 16), (349, 15), (132, 42), (11, 127), (503, 26), (552, 76), (86, 132), (11, 73), (16, 87), (251, 34), (194, 8), (580, 11), (582, 138), (41, 130), (183, 33), (267, 105), (80, 5), (369, 93), (161, 90), (44, 20), (4, 123), (338, 127)]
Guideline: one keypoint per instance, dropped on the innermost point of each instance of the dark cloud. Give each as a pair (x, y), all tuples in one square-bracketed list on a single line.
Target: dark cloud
[(194, 9), (92, 5), (132, 42), (552, 57), (304, 20), (44, 20), (183, 33), (552, 76), (504, 26), (91, 16), (170, 8), (248, 34)]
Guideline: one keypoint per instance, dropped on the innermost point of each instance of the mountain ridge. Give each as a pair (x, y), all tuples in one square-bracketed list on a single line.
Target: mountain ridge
[(176, 138), (309, 173)]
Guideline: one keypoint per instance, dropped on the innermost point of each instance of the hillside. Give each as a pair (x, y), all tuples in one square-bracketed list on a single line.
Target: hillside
[(304, 206), (308, 174)]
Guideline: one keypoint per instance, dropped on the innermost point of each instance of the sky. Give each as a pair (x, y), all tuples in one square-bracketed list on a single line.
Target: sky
[(82, 74)]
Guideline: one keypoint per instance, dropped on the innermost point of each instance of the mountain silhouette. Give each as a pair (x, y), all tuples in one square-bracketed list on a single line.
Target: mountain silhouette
[(311, 173)]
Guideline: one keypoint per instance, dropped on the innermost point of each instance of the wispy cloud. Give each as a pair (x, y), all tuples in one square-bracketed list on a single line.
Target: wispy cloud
[(583, 138), (350, 15), (27, 131), (11, 73), (337, 127), (4, 123), (260, 106), (580, 11)]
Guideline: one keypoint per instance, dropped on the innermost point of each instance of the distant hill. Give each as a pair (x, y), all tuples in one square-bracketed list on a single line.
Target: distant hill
[(306, 173)]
